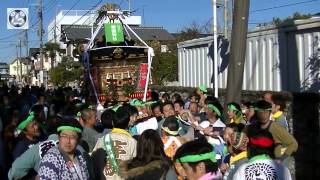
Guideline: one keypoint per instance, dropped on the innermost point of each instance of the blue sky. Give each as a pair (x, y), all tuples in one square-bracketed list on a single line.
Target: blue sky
[(171, 14)]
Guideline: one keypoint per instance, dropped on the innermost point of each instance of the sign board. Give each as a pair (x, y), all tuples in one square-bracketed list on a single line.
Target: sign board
[(17, 18), (143, 75), (113, 32)]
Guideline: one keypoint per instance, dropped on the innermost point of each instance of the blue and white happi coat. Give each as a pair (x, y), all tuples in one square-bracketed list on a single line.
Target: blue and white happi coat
[(56, 165)]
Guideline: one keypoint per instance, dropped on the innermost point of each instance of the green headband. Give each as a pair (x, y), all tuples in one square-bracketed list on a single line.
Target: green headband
[(149, 103), (198, 157), (262, 110), (115, 108), (215, 109), (167, 130), (232, 107), (70, 128), (24, 123), (203, 88), (78, 105), (136, 103)]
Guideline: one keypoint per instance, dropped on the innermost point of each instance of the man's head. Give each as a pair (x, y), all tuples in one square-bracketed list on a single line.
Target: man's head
[(234, 110), (29, 126), (107, 118), (170, 126), (278, 103), (235, 138), (41, 98), (89, 117), (263, 111), (176, 97), (260, 142), (267, 97), (194, 98), (247, 109), (131, 111), (195, 158), (202, 90), (165, 97), (213, 109), (69, 133), (168, 109), (156, 110), (122, 118), (193, 108), (178, 106)]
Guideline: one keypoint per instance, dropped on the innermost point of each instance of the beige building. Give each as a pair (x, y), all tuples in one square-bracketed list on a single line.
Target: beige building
[(20, 69)]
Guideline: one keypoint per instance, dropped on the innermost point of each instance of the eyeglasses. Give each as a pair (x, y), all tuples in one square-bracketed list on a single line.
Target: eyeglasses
[(67, 137)]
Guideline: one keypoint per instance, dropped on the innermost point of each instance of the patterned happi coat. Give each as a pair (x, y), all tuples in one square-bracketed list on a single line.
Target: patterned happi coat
[(266, 169), (55, 165)]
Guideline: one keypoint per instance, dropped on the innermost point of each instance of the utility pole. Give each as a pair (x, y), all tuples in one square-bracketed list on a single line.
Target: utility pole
[(143, 18), (27, 54), (20, 59), (55, 27), (237, 50), (17, 63), (129, 2), (40, 32), (226, 20), (215, 48), (52, 60)]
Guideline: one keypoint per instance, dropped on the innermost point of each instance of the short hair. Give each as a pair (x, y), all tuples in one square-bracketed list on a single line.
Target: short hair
[(211, 99), (171, 123), (278, 99), (86, 114), (237, 106), (262, 104), (254, 131), (177, 96), (58, 106), (180, 102), (236, 127), (107, 117), (198, 146), (247, 104), (155, 105), (154, 96), (165, 104), (70, 121), (217, 104), (131, 110), (121, 118), (38, 110), (166, 96), (196, 96)]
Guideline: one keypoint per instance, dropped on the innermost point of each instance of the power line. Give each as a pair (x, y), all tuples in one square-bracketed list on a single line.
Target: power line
[(76, 3), (78, 18), (15, 41), (282, 6), (48, 7), (18, 33)]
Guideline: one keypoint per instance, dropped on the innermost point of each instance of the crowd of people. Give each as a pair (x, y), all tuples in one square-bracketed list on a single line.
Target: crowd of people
[(56, 134)]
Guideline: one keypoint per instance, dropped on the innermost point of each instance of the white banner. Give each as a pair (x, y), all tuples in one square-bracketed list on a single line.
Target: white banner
[(17, 18)]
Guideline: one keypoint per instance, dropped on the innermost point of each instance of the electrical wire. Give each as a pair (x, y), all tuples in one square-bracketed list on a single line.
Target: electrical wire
[(282, 6), (69, 26), (18, 33)]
